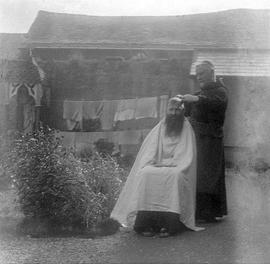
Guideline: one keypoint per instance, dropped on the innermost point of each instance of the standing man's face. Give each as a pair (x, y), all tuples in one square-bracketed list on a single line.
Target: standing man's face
[(204, 75)]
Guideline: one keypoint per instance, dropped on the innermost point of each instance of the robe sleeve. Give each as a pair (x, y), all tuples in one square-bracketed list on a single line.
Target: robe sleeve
[(214, 99)]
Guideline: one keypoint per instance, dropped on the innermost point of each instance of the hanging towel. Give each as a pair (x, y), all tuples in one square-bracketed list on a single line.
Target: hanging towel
[(73, 110), (72, 113), (163, 106), (13, 89), (36, 92), (146, 107), (92, 109), (108, 113), (125, 110)]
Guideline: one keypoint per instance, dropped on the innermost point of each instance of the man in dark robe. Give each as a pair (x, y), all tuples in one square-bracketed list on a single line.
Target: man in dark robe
[(206, 112)]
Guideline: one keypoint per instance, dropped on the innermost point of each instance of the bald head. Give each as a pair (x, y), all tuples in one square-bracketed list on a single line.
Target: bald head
[(176, 102)]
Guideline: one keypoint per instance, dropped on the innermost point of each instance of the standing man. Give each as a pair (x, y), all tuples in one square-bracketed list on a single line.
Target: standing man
[(206, 112)]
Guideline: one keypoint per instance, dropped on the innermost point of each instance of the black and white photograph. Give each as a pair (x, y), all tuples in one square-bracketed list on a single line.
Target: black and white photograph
[(134, 132)]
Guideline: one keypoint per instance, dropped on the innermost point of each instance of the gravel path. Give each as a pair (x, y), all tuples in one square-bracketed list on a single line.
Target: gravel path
[(243, 237)]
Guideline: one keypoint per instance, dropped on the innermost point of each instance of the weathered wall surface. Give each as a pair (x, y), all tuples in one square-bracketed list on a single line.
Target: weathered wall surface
[(247, 120)]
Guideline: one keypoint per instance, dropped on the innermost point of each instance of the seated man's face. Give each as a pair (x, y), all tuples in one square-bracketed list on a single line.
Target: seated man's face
[(174, 119)]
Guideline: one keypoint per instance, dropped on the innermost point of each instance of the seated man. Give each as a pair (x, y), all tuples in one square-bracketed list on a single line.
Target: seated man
[(159, 194)]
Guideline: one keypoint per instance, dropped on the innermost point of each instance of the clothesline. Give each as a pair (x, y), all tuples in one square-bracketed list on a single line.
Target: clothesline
[(103, 100), (111, 111)]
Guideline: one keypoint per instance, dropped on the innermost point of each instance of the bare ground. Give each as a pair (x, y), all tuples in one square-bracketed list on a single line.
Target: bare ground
[(243, 237)]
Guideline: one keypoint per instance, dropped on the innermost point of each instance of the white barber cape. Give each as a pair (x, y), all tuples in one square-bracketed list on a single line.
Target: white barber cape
[(166, 189)]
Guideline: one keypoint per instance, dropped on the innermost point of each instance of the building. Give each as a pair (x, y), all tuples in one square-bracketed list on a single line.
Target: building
[(19, 84), (89, 58)]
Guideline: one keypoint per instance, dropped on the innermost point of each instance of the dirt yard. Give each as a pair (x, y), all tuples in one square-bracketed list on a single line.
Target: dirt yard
[(243, 237)]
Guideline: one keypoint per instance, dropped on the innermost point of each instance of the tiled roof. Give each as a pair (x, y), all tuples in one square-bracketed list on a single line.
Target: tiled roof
[(239, 28)]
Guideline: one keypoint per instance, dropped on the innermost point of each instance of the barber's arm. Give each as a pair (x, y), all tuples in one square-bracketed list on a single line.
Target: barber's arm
[(189, 98), (214, 99)]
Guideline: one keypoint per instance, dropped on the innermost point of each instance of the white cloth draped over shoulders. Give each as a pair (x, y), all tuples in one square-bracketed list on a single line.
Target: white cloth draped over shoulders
[(171, 188)]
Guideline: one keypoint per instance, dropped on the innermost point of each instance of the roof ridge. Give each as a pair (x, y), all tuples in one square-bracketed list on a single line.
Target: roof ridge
[(231, 28), (45, 12)]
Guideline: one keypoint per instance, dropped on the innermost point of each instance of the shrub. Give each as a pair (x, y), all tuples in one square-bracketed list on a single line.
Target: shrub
[(103, 147), (55, 185), (126, 161)]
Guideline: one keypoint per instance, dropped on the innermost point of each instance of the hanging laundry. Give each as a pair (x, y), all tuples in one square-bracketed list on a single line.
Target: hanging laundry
[(36, 92), (73, 113), (13, 89), (146, 107), (90, 125), (163, 106), (125, 110), (108, 113), (92, 109)]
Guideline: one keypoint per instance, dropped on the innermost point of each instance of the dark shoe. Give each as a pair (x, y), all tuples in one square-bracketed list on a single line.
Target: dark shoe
[(207, 219), (164, 233), (148, 234)]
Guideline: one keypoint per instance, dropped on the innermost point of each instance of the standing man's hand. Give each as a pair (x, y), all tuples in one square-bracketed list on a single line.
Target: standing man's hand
[(188, 98)]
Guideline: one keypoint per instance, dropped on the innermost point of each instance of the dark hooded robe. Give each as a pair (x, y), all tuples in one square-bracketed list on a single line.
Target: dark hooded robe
[(207, 118)]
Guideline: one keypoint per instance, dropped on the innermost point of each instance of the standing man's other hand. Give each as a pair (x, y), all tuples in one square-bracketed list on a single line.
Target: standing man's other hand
[(189, 98)]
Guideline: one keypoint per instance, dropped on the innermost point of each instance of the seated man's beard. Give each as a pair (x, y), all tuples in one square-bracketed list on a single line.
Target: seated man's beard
[(174, 124)]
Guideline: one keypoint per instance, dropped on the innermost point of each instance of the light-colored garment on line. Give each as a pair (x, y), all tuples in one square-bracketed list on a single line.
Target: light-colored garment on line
[(108, 113), (36, 92), (167, 189), (146, 107), (125, 110), (13, 89), (73, 113), (92, 109)]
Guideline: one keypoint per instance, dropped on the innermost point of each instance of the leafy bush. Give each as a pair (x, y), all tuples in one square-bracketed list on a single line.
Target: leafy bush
[(126, 161), (103, 147), (55, 185)]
